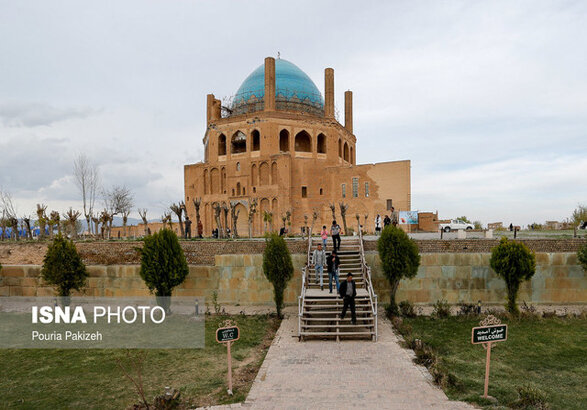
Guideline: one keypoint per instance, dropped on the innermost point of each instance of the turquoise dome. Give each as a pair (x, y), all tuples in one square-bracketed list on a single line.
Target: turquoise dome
[(291, 84)]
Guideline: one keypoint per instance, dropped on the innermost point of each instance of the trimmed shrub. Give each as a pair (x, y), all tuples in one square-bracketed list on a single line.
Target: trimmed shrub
[(399, 259), (514, 263), (163, 264), (63, 267), (278, 267), (582, 256), (441, 309)]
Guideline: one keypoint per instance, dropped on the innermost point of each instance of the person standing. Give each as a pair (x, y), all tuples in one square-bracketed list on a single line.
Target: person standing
[(335, 233), (378, 225), (386, 221), (333, 263), (324, 236), (188, 227), (319, 260), (394, 217), (348, 292), (201, 230)]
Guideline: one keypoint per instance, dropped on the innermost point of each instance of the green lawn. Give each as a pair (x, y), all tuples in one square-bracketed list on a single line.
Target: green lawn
[(548, 353), (91, 378)]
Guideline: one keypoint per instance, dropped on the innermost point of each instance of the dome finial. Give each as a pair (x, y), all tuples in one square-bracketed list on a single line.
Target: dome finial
[(278, 55)]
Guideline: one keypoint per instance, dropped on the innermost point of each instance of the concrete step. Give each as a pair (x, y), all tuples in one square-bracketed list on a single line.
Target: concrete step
[(338, 334)]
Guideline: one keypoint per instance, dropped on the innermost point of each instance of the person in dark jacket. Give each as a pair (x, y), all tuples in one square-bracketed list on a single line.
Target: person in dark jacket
[(332, 263), (348, 292)]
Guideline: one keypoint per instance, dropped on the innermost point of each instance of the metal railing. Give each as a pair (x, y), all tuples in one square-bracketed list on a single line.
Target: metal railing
[(302, 297), (366, 272)]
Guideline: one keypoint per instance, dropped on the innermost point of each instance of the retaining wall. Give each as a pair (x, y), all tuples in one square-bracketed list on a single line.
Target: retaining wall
[(239, 279)]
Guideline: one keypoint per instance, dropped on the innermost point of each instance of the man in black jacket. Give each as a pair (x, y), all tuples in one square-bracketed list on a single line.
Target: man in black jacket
[(332, 263), (348, 291)]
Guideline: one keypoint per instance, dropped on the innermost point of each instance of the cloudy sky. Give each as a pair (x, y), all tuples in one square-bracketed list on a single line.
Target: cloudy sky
[(487, 99)]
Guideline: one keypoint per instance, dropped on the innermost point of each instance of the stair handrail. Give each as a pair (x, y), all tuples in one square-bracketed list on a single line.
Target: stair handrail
[(366, 272), (302, 297)]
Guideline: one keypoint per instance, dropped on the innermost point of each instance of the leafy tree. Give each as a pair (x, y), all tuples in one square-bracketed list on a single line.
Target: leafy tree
[(464, 219), (163, 263), (278, 267), (579, 214), (582, 256), (399, 259), (514, 263), (63, 267)]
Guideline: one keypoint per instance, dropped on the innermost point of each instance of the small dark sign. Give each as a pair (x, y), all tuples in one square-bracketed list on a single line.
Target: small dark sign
[(497, 333), (227, 334)]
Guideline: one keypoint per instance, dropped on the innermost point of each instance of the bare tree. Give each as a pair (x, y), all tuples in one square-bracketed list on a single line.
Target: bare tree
[(105, 219), (314, 218), (87, 180), (217, 211), (234, 217), (143, 215), (118, 200), (252, 210), (54, 219), (268, 219), (9, 217), (166, 219), (41, 219), (96, 222), (225, 211), (333, 209), (71, 217), (27, 226), (197, 202), (343, 208), (177, 209)]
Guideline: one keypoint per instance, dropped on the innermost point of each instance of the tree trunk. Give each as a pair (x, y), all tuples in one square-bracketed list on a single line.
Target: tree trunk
[(394, 284)]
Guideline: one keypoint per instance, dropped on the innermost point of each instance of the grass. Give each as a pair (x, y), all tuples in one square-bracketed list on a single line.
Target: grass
[(550, 354), (42, 378)]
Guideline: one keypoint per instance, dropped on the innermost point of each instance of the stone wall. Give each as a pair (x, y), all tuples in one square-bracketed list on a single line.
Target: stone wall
[(467, 277), (239, 279)]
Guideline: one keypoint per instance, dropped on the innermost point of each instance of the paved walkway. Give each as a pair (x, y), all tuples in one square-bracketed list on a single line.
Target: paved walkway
[(349, 374)]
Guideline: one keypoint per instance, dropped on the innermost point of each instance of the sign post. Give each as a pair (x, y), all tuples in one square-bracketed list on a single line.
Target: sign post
[(227, 333), (490, 331)]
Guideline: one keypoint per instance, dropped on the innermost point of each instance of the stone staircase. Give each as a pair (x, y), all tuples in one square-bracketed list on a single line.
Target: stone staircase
[(319, 310)]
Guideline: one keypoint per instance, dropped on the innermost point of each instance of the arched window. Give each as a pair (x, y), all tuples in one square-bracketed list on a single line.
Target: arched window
[(256, 140), (264, 174), (321, 144), (254, 175), (303, 142), (274, 173), (238, 188), (284, 141), (339, 148), (238, 143), (222, 144), (346, 152), (214, 181), (205, 181)]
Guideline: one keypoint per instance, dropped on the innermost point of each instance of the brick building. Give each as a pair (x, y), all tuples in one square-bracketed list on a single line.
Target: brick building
[(278, 141)]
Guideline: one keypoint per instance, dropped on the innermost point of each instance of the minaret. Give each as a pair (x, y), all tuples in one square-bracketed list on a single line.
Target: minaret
[(348, 111), (269, 84), (329, 93)]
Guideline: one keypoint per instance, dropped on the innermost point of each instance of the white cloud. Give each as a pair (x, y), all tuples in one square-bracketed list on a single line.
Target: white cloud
[(486, 96)]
